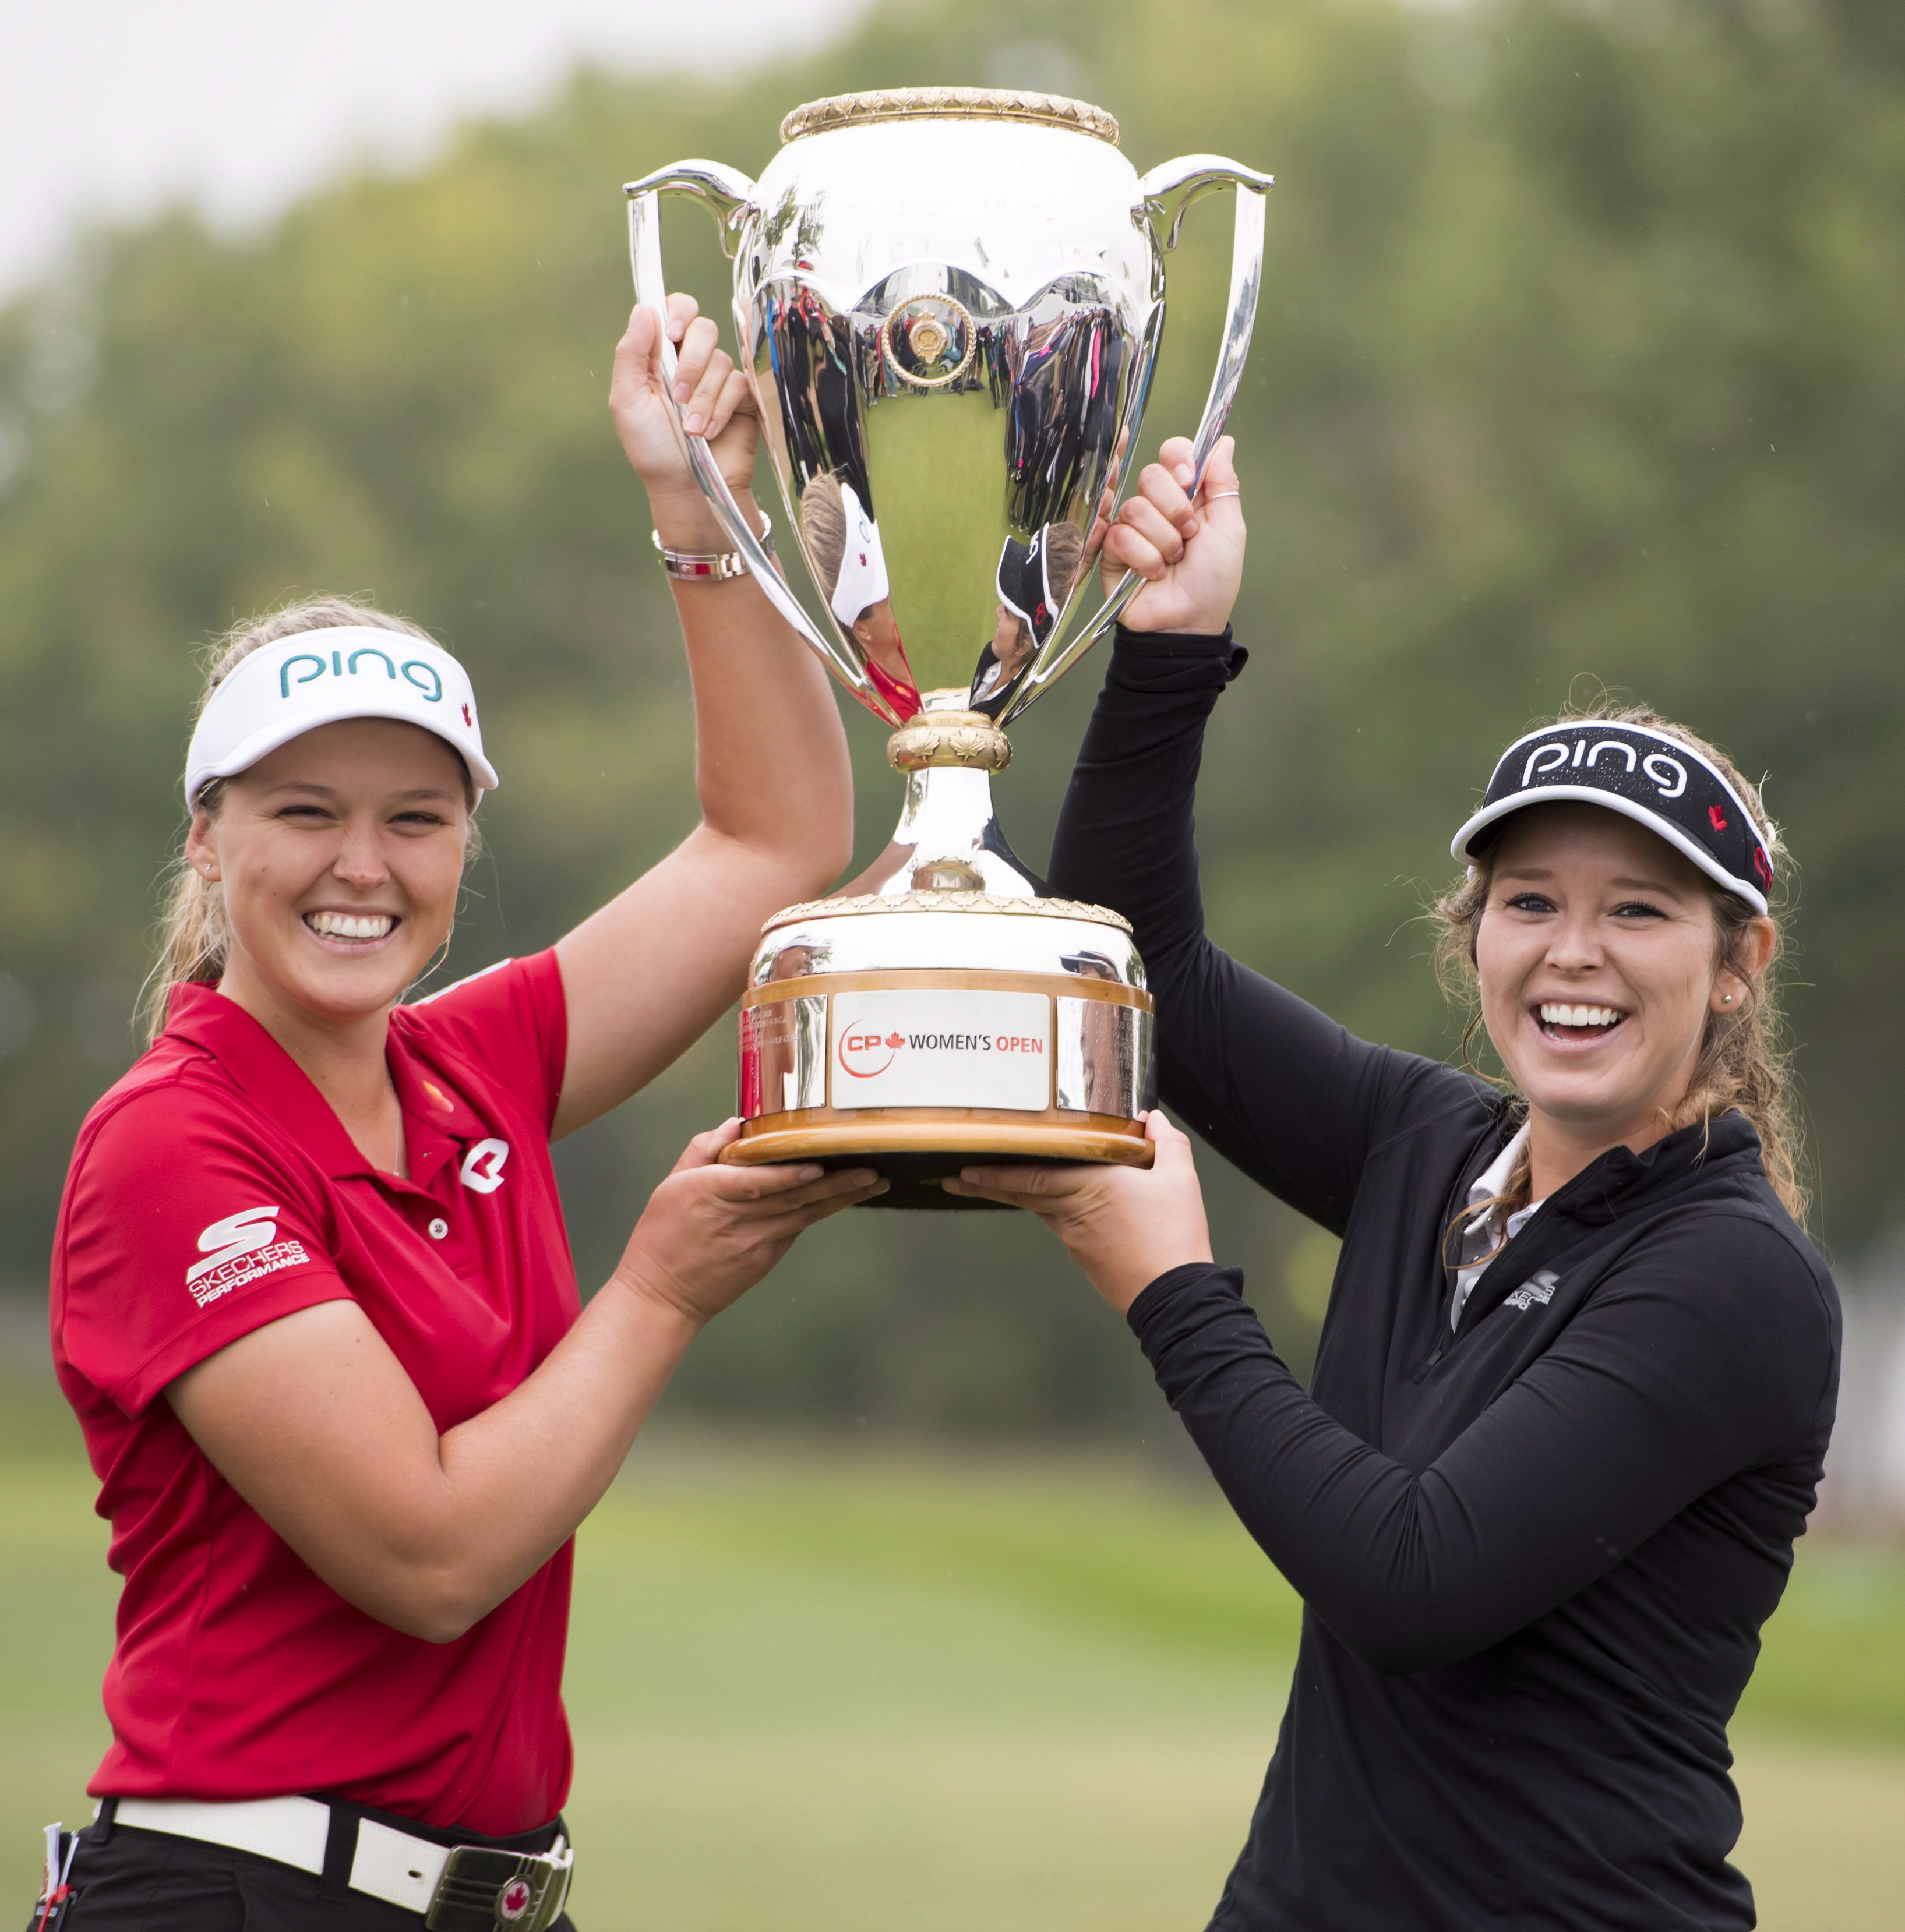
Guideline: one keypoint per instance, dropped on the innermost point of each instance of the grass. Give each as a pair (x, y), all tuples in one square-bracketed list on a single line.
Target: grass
[(873, 1688), (1833, 1663)]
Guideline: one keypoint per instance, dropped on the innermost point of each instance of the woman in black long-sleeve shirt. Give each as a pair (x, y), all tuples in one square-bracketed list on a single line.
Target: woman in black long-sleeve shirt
[(1577, 1371)]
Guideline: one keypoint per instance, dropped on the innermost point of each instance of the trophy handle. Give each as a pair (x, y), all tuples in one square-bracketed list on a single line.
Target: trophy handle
[(727, 194), (1165, 194)]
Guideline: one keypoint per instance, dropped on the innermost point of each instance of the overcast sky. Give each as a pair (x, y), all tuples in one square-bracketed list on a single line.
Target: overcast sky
[(112, 107)]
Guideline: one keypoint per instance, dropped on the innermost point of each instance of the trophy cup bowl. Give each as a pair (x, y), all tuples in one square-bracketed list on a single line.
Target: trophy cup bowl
[(950, 303)]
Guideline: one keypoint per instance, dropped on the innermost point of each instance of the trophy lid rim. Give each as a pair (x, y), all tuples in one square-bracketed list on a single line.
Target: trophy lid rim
[(949, 103), (943, 901)]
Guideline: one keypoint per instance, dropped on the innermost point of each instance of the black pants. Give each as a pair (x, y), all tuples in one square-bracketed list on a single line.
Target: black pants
[(125, 1879)]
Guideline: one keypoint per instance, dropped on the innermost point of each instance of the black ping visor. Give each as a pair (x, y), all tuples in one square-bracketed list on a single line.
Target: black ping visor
[(1646, 776)]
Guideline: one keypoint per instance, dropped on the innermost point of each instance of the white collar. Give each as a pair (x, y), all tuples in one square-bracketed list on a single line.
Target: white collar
[(1494, 1179)]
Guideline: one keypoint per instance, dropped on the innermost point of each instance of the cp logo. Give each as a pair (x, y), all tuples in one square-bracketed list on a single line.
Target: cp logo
[(863, 1054)]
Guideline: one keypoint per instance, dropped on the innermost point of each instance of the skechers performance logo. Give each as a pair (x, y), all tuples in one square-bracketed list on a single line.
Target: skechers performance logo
[(1539, 1286), (239, 1250)]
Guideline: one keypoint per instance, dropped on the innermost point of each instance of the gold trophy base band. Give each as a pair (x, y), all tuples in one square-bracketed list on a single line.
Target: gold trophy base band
[(968, 740), (981, 979), (987, 1133)]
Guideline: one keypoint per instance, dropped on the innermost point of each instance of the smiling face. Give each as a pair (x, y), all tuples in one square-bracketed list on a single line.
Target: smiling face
[(879, 637), (340, 856), (1596, 955), (1011, 643)]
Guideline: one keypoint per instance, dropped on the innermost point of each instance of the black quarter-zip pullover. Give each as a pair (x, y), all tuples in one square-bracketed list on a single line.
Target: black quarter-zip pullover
[(1535, 1551)]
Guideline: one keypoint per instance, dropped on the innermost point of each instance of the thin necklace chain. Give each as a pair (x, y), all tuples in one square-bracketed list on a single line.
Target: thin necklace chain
[(400, 1165)]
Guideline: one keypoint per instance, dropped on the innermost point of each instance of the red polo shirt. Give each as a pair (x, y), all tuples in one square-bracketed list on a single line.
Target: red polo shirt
[(213, 1190)]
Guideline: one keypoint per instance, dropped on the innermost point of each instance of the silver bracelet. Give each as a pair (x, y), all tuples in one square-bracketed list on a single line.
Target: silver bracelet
[(710, 566)]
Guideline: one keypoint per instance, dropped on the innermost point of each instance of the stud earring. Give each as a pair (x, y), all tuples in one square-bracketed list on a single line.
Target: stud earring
[(1726, 999)]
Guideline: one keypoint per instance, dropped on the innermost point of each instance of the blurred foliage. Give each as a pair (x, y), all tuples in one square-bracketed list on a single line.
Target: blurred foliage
[(1579, 361)]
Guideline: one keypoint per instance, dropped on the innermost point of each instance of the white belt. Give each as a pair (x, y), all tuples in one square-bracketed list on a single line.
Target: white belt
[(389, 1865)]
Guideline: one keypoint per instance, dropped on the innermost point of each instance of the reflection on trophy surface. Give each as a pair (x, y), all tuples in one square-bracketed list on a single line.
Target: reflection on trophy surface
[(1036, 580), (950, 302), (842, 546)]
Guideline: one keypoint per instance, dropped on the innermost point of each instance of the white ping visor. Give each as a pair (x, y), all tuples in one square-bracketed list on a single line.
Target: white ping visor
[(283, 690)]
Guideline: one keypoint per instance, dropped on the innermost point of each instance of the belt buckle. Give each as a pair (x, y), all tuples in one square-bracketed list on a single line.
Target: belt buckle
[(483, 1889)]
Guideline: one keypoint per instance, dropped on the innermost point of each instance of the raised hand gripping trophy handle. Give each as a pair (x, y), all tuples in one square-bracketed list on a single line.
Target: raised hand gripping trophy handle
[(726, 192), (949, 303)]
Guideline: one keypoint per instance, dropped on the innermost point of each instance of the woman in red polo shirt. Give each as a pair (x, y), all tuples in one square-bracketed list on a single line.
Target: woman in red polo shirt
[(312, 1297)]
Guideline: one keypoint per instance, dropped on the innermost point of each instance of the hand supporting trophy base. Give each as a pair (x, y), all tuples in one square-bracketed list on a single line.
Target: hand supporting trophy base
[(950, 304)]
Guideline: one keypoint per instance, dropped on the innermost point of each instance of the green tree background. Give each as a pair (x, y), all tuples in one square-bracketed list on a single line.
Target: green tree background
[(1580, 360)]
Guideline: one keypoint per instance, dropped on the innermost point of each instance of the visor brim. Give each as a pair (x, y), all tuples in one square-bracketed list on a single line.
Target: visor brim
[(1462, 846), (260, 744)]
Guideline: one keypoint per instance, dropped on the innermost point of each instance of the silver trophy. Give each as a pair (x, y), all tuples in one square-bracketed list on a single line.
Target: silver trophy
[(950, 302)]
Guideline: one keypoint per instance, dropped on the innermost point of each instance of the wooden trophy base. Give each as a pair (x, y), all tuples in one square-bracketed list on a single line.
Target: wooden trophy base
[(916, 1148)]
